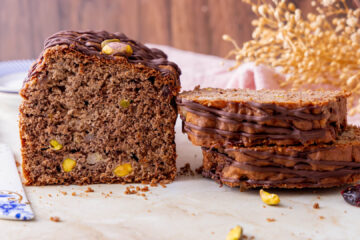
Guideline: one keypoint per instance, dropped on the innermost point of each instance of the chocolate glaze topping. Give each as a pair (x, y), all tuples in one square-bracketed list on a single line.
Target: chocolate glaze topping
[(277, 133), (300, 176), (283, 133), (279, 112), (89, 43)]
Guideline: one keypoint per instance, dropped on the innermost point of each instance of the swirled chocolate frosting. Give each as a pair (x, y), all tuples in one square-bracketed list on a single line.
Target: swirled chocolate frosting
[(89, 43)]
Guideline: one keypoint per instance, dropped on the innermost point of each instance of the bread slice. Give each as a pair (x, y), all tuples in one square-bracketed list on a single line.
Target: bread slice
[(243, 117), (98, 108), (313, 166)]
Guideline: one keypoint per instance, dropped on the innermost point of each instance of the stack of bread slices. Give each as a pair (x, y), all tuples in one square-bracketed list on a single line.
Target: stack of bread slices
[(272, 138)]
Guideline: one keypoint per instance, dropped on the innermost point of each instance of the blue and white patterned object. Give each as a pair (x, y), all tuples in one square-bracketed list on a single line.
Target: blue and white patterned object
[(13, 202), (12, 206)]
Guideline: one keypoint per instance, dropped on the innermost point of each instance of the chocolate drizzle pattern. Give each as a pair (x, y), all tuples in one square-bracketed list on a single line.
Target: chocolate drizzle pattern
[(280, 112), (304, 136), (277, 133), (307, 178), (89, 43)]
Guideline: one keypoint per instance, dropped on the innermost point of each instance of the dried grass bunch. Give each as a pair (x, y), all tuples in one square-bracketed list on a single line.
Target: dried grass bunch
[(320, 48)]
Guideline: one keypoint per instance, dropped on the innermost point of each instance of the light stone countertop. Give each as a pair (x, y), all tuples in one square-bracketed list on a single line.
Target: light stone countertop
[(189, 208)]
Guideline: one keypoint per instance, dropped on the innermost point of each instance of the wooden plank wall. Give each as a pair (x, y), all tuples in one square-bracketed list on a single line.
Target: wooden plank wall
[(195, 25)]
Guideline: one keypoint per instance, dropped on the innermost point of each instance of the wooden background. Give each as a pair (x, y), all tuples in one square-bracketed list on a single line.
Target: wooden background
[(195, 25)]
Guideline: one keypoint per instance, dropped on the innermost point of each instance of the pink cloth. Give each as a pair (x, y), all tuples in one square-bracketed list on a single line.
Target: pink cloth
[(208, 71)]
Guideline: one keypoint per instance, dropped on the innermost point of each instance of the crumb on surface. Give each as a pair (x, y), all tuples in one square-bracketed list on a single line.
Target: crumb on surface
[(263, 206), (271, 219), (145, 189), (316, 206), (245, 237), (73, 194), (199, 170), (139, 191), (153, 184), (49, 195), (89, 189), (63, 193), (130, 190), (55, 219), (166, 181), (318, 197), (322, 217), (186, 170)]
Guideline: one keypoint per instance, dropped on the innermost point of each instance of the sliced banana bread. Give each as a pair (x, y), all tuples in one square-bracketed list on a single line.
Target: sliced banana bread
[(98, 108), (287, 166), (242, 117)]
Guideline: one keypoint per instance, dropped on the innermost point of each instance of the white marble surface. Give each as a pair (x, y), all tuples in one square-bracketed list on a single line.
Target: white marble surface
[(189, 208)]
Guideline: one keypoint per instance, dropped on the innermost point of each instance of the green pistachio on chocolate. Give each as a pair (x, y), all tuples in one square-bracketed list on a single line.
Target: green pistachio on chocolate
[(107, 50), (114, 47), (105, 42)]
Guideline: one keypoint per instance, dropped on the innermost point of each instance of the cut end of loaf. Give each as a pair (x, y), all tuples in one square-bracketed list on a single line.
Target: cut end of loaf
[(86, 119)]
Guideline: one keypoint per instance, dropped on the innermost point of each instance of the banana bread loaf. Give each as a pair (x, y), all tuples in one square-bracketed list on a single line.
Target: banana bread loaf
[(313, 166), (243, 117), (98, 108)]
